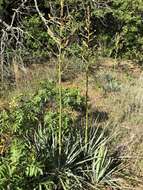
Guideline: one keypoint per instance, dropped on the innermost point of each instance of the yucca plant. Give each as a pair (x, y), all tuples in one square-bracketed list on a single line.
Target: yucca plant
[(35, 164)]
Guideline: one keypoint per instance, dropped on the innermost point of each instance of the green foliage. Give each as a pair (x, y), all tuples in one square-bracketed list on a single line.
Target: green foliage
[(129, 15), (1, 5), (116, 28), (31, 156), (6, 7), (37, 40), (110, 84), (1, 2), (42, 107)]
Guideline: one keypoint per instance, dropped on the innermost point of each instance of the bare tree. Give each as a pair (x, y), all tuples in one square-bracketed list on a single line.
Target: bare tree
[(11, 38)]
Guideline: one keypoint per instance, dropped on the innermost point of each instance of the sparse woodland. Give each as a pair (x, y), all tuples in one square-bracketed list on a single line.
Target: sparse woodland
[(71, 85)]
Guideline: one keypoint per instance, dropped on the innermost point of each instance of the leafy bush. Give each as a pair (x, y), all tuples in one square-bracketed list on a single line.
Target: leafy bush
[(37, 40), (42, 107)]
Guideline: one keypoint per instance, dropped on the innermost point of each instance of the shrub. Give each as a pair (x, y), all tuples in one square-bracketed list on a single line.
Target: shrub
[(37, 41), (108, 82), (42, 107)]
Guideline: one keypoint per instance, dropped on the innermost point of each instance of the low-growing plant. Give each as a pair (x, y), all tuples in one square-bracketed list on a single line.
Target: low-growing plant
[(108, 83), (111, 84), (35, 163)]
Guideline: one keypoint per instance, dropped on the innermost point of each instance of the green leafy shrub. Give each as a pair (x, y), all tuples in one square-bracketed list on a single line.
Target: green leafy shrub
[(42, 107), (129, 15), (37, 41)]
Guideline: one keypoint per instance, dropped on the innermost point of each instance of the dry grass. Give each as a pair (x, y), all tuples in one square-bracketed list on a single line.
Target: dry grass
[(126, 109)]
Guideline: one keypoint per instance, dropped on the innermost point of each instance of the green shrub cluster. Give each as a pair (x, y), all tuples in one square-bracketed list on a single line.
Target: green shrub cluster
[(116, 27), (29, 145), (42, 108)]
